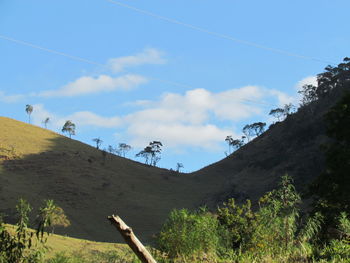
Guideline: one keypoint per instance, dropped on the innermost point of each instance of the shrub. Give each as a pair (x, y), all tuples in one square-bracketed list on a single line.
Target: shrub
[(188, 233)]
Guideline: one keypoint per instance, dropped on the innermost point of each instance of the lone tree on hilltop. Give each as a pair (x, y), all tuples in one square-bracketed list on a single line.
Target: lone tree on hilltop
[(46, 121), (29, 110), (69, 127), (98, 142), (179, 166), (123, 149), (151, 153)]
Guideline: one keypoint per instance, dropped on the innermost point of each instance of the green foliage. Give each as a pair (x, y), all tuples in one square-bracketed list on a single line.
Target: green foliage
[(188, 233), (50, 216), (151, 153), (273, 233), (333, 186), (338, 250), (23, 246), (69, 127), (29, 110), (239, 220), (100, 257)]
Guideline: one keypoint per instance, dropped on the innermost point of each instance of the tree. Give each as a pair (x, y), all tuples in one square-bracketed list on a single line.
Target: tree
[(110, 149), (123, 149), (46, 121), (248, 131), (98, 142), (333, 77), (235, 144), (151, 153), (229, 140), (258, 128), (277, 113), (179, 166), (146, 153), (53, 215), (23, 246), (332, 187), (29, 110), (308, 93), (288, 108), (156, 151), (69, 127)]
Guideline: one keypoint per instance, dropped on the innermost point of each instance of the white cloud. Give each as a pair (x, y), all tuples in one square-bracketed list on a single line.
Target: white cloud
[(82, 118), (284, 98), (310, 80), (195, 118), (148, 56), (10, 98), (90, 85), (87, 118), (177, 135)]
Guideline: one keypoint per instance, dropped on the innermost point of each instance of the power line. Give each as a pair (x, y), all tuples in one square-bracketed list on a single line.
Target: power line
[(84, 60), (51, 51), (219, 35)]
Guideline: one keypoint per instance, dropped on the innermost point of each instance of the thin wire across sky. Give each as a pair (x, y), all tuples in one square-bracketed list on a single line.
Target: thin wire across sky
[(173, 21), (216, 34)]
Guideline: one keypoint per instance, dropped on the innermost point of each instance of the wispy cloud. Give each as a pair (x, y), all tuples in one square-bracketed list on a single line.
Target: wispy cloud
[(90, 85), (310, 80), (196, 118), (81, 118), (148, 56), (10, 98)]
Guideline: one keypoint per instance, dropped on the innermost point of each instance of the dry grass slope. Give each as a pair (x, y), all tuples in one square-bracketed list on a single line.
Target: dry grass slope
[(68, 245), (38, 164)]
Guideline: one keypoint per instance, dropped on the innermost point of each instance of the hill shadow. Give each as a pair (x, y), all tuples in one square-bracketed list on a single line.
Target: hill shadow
[(89, 186)]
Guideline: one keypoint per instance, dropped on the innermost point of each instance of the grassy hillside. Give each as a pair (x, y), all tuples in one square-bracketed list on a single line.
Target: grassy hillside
[(68, 245), (38, 164), (290, 147)]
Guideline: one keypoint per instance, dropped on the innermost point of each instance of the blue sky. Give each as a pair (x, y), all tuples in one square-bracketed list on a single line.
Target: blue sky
[(164, 70)]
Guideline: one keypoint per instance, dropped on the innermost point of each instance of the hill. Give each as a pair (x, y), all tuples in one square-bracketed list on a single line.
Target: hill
[(68, 245), (38, 164), (290, 147)]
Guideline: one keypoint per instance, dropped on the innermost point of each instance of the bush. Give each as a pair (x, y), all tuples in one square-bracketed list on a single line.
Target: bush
[(339, 249), (188, 233)]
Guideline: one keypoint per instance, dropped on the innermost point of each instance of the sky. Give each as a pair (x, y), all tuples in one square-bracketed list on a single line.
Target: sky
[(186, 73)]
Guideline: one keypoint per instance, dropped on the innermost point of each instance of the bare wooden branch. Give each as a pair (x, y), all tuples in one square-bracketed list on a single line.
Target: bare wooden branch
[(130, 238)]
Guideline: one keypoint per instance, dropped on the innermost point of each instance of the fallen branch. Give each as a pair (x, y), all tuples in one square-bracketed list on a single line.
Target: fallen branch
[(130, 238)]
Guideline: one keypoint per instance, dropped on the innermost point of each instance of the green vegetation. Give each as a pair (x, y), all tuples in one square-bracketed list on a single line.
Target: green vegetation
[(333, 186), (272, 228), (274, 233), (29, 110), (151, 153), (21, 244), (24, 246), (69, 127)]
